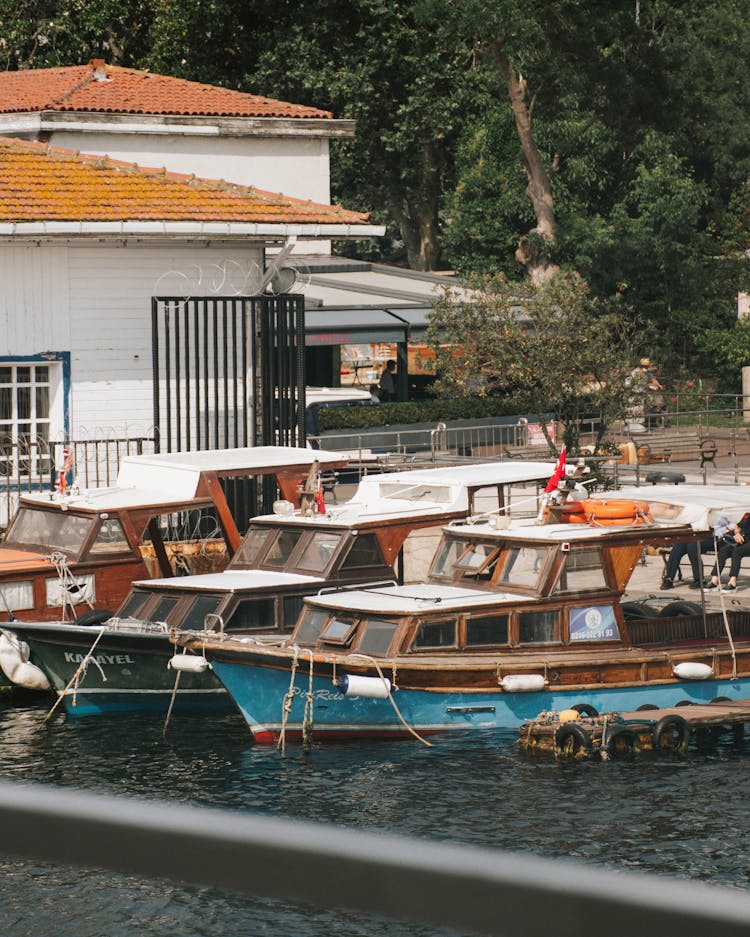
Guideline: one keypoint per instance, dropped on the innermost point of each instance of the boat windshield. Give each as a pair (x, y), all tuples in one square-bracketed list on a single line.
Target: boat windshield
[(133, 605), (523, 566), (49, 530), (457, 559), (317, 554), (581, 572), (250, 550), (375, 636), (110, 540)]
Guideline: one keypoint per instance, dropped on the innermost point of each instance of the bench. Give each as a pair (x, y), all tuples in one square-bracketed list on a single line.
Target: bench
[(539, 453), (678, 447)]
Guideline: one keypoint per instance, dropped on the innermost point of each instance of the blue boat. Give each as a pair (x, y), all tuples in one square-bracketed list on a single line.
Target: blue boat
[(514, 620)]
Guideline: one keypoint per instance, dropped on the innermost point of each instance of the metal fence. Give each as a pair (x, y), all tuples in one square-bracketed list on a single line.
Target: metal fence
[(484, 891)]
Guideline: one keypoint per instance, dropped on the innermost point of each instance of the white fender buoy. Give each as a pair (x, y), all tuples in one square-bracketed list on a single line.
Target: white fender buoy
[(373, 687), (692, 670), (189, 663), (523, 683), (15, 663)]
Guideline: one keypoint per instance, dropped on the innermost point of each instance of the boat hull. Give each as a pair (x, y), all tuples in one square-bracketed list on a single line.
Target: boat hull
[(127, 673), (259, 693)]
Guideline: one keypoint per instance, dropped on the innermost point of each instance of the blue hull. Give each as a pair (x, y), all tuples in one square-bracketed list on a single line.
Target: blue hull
[(259, 694), (87, 703)]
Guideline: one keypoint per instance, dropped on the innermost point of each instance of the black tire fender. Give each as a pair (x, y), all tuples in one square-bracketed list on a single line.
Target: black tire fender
[(585, 709), (94, 616), (626, 735), (581, 740), (679, 608), (637, 611), (673, 728)]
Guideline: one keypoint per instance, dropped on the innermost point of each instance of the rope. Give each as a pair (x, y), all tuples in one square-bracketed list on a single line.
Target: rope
[(80, 672), (390, 697), (68, 584), (307, 716), (171, 704), (724, 615), (286, 703)]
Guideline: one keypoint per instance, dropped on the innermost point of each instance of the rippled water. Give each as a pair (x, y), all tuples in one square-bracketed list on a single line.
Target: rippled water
[(683, 817)]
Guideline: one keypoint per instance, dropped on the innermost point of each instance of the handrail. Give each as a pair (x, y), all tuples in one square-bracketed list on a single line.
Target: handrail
[(479, 889)]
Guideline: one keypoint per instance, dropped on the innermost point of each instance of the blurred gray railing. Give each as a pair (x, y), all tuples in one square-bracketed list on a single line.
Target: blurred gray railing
[(484, 891)]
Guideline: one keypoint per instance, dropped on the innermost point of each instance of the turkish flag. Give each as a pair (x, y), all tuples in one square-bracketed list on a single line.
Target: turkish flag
[(559, 472)]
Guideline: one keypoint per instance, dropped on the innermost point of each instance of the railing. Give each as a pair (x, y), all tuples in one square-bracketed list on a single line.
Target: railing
[(484, 891), (31, 464)]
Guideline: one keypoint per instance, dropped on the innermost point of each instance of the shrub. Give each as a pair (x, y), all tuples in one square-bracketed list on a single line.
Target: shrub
[(418, 411)]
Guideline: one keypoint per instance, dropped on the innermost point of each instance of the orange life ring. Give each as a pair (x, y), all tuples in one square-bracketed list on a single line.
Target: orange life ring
[(614, 510)]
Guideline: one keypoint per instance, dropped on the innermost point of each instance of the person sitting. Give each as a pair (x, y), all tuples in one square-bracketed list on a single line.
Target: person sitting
[(693, 551), (735, 546), (374, 393)]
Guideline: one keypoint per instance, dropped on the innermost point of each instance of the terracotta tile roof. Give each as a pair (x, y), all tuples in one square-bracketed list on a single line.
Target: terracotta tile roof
[(127, 91), (43, 183)]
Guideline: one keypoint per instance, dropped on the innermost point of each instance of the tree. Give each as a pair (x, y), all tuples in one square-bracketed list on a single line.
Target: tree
[(553, 347)]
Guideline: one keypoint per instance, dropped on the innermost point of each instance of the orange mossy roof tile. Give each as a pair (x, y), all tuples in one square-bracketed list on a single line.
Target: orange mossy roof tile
[(128, 91), (43, 183)]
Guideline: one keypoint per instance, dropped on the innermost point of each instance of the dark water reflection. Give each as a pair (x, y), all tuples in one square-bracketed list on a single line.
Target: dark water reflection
[(683, 817)]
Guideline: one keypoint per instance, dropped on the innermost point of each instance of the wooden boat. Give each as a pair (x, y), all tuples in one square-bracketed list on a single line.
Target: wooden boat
[(65, 553), (513, 621), (121, 665)]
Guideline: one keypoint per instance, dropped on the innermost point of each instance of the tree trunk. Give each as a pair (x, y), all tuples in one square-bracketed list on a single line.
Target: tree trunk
[(532, 250), (418, 220)]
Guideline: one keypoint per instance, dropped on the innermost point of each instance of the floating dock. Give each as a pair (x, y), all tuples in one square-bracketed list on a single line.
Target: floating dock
[(582, 733)]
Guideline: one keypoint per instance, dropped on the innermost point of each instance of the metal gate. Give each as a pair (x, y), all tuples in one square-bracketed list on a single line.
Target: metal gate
[(229, 372)]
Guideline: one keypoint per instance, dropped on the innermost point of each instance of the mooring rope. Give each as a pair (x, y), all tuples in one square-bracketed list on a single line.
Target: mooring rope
[(171, 704), (67, 582), (286, 703), (724, 615), (307, 716), (80, 672)]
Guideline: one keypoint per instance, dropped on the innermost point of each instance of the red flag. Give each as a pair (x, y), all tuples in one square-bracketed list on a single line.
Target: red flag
[(320, 501), (559, 472)]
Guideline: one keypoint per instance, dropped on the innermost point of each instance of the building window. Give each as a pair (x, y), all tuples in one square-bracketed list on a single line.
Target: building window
[(28, 391)]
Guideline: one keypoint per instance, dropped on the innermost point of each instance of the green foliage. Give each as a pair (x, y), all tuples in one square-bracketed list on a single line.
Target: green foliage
[(423, 411), (556, 348), (729, 349)]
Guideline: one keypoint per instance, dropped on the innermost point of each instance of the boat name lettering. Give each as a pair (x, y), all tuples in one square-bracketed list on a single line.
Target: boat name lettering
[(320, 694), (73, 658)]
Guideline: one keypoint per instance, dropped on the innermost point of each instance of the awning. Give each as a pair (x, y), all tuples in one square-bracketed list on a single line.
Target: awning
[(364, 324)]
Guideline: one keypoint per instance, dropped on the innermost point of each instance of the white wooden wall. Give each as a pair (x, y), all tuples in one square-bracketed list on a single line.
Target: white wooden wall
[(94, 301)]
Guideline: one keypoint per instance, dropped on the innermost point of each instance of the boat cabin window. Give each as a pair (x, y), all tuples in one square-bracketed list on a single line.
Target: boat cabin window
[(309, 626), (252, 615), (251, 547), (581, 572), (489, 630), (282, 548), (319, 551), (445, 558), (339, 629), (133, 605), (163, 608), (538, 627), (52, 530), (477, 562), (292, 606), (523, 566), (436, 634), (365, 551), (194, 618), (376, 636), (110, 540)]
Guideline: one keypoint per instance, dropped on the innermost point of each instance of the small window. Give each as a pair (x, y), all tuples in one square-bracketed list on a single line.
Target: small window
[(195, 617), (319, 552), (339, 630), (435, 634), (55, 530), (582, 572), (252, 615), (523, 566), (445, 559), (377, 634), (310, 625), (133, 605), (492, 630), (251, 547), (365, 551), (163, 608), (538, 627), (281, 548), (477, 562), (292, 606), (110, 540)]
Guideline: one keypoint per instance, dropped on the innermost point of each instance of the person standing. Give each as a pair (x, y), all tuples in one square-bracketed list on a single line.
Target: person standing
[(388, 382)]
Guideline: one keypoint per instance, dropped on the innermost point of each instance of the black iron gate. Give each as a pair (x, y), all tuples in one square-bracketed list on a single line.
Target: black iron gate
[(228, 372)]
